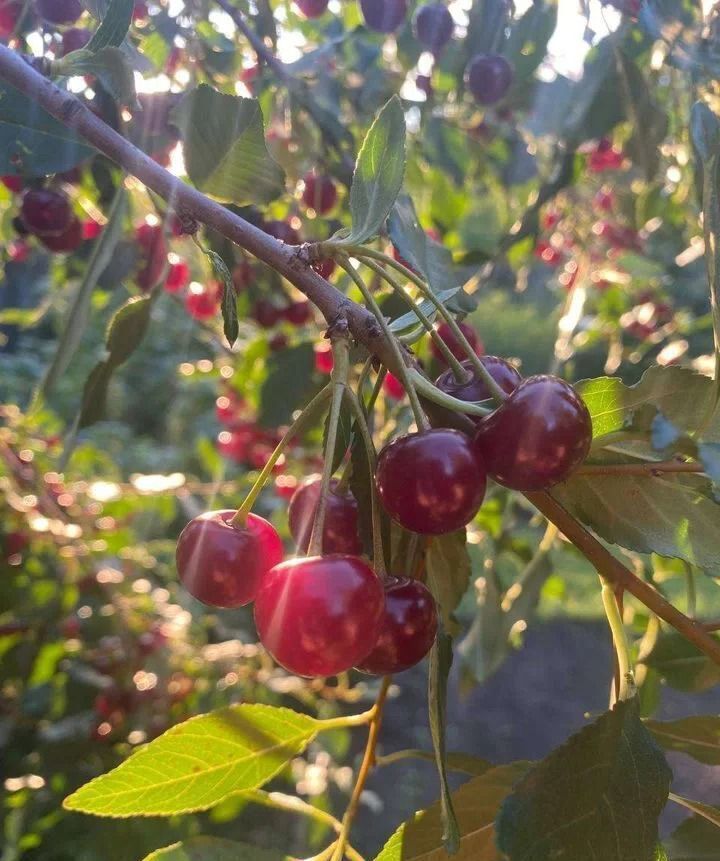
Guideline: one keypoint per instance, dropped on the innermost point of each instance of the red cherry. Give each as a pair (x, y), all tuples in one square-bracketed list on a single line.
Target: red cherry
[(545, 252), (537, 436), (14, 543), (434, 26), (266, 313), (140, 12), (446, 333), (91, 229), (178, 277), (431, 482), (10, 12), (319, 193), (393, 388), (12, 183), (278, 342), (68, 240), (324, 268), (18, 251), (298, 313), (152, 254), (408, 628), (340, 532), (323, 357), (46, 212), (488, 77), (283, 231), (320, 615), (222, 565), (227, 408), (74, 39), (474, 388), (311, 8), (59, 11), (235, 444), (605, 157), (384, 16), (604, 200), (285, 486), (201, 301)]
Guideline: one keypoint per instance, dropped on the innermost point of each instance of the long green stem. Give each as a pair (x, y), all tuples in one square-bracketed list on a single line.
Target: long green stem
[(339, 378), (432, 393), (626, 688), (362, 426), (447, 354), (362, 252), (306, 416), (420, 418)]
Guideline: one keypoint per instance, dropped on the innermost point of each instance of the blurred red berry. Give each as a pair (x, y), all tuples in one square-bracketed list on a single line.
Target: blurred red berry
[(12, 183), (319, 193), (456, 348), (323, 357), (91, 229), (202, 301), (324, 268), (393, 388), (178, 277)]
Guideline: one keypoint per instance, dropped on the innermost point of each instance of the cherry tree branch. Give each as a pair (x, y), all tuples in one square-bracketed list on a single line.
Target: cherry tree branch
[(192, 204)]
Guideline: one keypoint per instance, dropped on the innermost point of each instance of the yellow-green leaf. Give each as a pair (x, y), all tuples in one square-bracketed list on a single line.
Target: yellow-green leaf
[(214, 849)]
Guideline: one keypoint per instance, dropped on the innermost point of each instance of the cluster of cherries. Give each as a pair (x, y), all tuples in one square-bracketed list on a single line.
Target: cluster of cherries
[(321, 615)]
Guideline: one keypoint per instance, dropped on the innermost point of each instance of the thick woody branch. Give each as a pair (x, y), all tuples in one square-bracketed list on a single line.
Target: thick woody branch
[(192, 204)]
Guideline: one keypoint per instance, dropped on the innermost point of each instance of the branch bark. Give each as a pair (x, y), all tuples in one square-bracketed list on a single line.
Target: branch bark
[(192, 204)]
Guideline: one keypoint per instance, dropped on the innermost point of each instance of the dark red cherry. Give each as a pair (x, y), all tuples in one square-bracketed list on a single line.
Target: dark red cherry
[(431, 482), (46, 212), (434, 26), (59, 11), (474, 388), (74, 39), (68, 240), (202, 300), (298, 313), (12, 183), (320, 615), (283, 231), (407, 631), (537, 436), (311, 8), (242, 276), (222, 565), (324, 268), (320, 192), (266, 313), (152, 254), (488, 77), (340, 532), (456, 348), (10, 13), (384, 16)]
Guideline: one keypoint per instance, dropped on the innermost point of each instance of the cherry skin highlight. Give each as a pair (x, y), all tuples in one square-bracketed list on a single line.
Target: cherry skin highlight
[(340, 530), (488, 77), (46, 212), (431, 482), (222, 565), (320, 615), (537, 436), (407, 631), (384, 16)]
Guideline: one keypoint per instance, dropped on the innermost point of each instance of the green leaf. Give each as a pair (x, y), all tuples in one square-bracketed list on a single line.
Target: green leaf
[(597, 796), (214, 849), (711, 814), (682, 664), (198, 763), (648, 121), (526, 46), (110, 65), (441, 658), (224, 147), (115, 23), (448, 573), (698, 737), (378, 173), (672, 514), (695, 840), (476, 804), (287, 385), (78, 315), (31, 141), (231, 326)]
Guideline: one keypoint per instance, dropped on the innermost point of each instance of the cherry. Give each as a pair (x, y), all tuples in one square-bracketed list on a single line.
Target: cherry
[(456, 348), (393, 388), (320, 615), (298, 313), (152, 254), (74, 39), (407, 631), (474, 388), (278, 342), (59, 11), (12, 183), (431, 482), (537, 436), (312, 8), (68, 240), (201, 301), (266, 313), (14, 543), (234, 444), (434, 26), (605, 157), (319, 193), (488, 77), (227, 408), (10, 12), (283, 231), (242, 276), (340, 531), (140, 12), (222, 565), (91, 229), (324, 268), (46, 212), (323, 357), (178, 277), (384, 16), (545, 252)]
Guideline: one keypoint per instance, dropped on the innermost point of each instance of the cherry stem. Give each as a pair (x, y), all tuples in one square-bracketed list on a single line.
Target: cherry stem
[(365, 769), (498, 393), (362, 426), (460, 373), (300, 423), (339, 378), (626, 687), (433, 393), (405, 379)]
